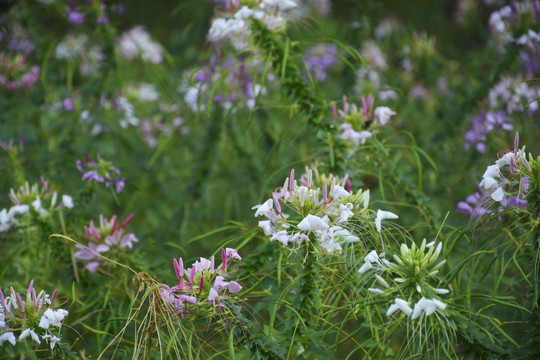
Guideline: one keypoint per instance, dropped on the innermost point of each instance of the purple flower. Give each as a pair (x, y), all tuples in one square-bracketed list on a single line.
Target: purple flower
[(482, 125), (319, 58), (107, 236), (101, 171), (68, 104), (75, 17)]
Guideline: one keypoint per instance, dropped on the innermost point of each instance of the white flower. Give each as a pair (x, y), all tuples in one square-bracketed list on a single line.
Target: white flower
[(71, 47), (427, 306), (312, 222), (282, 237), (37, 204), (264, 208), (383, 215), (278, 5), (498, 194), (53, 338), (298, 237), (492, 171), (343, 234), (9, 337), (144, 92), (376, 291), (489, 183), (138, 42), (129, 112), (244, 13), (382, 114), (331, 245), (52, 318), (267, 227), (339, 192), (5, 220), (345, 212), (30, 332), (372, 261), (18, 210), (67, 201), (357, 138), (399, 304)]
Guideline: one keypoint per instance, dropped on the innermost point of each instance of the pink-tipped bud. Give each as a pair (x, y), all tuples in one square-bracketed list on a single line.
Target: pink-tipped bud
[(345, 104), (334, 111), (53, 297), (114, 221), (292, 180), (177, 269), (14, 199), (128, 219), (224, 258), (30, 287), (212, 263), (276, 202), (3, 301), (364, 106), (325, 192), (516, 143), (21, 304), (201, 285), (44, 183), (512, 167), (348, 182), (34, 298)]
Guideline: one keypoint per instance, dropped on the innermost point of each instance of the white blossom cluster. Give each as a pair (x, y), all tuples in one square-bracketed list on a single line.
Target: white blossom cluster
[(75, 47), (138, 43), (28, 199), (497, 185), (513, 95), (409, 274), (235, 27), (502, 21), (143, 92), (18, 315), (327, 215), (358, 124)]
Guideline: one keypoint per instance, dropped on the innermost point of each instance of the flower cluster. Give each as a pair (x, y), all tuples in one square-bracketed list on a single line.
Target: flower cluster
[(76, 48), (33, 318), (358, 125), (202, 283), (326, 213), (234, 25), (511, 170), (319, 58), (102, 171), (510, 95), (17, 74), (140, 93), (235, 78), (137, 43), (503, 21), (107, 237), (32, 200), (370, 80), (407, 279), (152, 129), (482, 125)]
